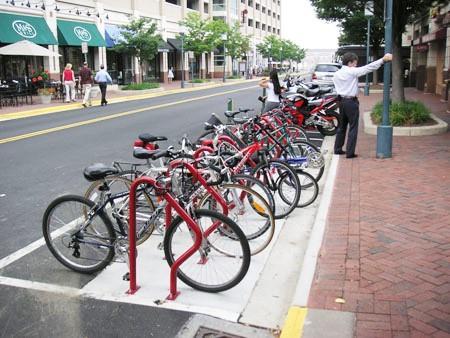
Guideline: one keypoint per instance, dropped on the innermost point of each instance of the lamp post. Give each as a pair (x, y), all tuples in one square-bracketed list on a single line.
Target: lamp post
[(224, 39), (182, 59), (368, 12), (384, 131)]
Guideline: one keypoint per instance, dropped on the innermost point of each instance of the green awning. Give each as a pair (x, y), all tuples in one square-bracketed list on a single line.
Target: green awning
[(73, 33), (14, 28)]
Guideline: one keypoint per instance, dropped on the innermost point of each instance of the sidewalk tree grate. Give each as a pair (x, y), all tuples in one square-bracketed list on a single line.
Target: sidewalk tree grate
[(206, 332)]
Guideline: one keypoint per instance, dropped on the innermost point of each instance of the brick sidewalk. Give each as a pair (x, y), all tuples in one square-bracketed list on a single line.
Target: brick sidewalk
[(386, 250)]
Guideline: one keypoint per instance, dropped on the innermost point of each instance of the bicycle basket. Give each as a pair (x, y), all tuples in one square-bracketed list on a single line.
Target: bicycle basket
[(214, 120)]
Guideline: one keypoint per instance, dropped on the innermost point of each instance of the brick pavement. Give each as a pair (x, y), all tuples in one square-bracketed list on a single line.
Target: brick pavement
[(386, 250)]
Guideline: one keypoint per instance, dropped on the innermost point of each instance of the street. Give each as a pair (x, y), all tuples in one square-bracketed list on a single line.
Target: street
[(41, 163)]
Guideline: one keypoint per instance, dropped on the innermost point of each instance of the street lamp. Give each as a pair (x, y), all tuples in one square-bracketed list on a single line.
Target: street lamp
[(224, 39), (384, 131), (182, 59), (368, 12)]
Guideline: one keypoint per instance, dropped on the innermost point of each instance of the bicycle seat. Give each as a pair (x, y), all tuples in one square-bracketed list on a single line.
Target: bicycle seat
[(246, 110), (231, 113), (98, 171), (143, 154), (146, 137)]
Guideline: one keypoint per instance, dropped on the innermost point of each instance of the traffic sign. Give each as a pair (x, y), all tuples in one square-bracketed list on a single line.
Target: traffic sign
[(84, 47)]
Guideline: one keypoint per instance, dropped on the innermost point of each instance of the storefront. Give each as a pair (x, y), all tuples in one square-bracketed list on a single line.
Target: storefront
[(120, 65), (14, 28), (71, 35)]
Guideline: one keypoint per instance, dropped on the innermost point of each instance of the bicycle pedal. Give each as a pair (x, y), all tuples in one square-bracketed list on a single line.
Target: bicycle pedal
[(126, 277)]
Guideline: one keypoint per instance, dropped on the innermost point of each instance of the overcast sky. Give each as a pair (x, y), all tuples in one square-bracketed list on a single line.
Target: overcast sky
[(300, 24)]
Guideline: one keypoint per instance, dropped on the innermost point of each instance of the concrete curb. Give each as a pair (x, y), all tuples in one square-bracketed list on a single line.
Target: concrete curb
[(439, 128), (141, 92)]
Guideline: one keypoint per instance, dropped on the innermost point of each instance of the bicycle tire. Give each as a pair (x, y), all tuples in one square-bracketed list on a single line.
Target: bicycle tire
[(262, 171), (197, 264), (316, 166), (144, 203), (103, 241), (253, 215), (310, 189)]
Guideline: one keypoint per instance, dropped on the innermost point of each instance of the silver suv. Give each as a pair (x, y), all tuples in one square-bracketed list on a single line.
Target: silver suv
[(324, 72)]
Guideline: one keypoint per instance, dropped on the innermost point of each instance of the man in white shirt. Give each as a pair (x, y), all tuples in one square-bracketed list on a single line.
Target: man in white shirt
[(346, 84)]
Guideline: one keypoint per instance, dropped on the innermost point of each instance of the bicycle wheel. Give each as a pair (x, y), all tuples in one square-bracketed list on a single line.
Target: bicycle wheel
[(283, 183), (312, 159), (297, 133), (257, 186), (120, 185), (249, 210), (209, 269), (83, 243), (310, 189)]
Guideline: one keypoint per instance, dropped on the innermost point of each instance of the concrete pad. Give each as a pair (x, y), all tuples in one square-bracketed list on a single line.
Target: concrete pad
[(330, 324)]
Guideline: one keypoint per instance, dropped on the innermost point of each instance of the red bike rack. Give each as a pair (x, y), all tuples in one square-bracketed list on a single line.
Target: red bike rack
[(132, 236)]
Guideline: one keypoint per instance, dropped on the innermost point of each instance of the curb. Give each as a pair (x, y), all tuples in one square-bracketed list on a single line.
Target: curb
[(439, 128), (61, 108), (295, 320)]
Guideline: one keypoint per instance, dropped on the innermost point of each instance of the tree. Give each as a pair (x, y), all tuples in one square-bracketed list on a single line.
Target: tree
[(202, 36), (237, 45), (139, 40), (270, 48), (403, 10)]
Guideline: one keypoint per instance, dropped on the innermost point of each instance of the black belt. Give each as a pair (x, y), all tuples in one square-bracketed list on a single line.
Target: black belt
[(353, 98)]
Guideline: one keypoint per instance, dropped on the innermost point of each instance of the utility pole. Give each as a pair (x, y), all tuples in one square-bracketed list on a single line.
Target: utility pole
[(384, 131), (369, 14)]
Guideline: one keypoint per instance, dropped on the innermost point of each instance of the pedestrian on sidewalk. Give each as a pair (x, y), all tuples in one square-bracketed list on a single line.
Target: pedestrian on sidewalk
[(86, 82), (272, 84), (69, 83), (103, 78), (346, 84), (170, 75)]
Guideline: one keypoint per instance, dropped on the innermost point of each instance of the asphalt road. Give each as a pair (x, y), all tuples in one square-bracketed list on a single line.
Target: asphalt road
[(35, 170)]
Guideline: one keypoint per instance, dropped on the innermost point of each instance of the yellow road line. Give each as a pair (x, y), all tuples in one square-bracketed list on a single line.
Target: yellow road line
[(295, 320), (114, 116), (61, 108)]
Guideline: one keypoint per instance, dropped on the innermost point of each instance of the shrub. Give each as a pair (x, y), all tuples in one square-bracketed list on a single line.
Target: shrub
[(141, 86), (234, 77), (199, 80), (402, 113)]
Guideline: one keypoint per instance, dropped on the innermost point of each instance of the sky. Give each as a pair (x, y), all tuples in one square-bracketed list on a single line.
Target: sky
[(300, 24)]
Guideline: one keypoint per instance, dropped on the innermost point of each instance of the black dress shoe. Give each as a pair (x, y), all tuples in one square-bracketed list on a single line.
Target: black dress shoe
[(352, 156), (339, 152)]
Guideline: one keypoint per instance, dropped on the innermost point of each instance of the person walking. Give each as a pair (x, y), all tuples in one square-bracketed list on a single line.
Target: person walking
[(170, 75), (69, 83), (86, 82), (346, 84), (273, 87), (103, 78)]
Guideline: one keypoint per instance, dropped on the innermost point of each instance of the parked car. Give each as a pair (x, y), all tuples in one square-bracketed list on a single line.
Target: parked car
[(324, 72)]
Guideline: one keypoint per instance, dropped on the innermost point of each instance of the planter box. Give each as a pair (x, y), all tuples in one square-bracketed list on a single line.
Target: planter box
[(45, 99), (439, 128)]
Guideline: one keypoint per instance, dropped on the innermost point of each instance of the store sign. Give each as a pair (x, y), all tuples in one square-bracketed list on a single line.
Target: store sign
[(163, 50), (24, 29), (82, 33), (421, 48)]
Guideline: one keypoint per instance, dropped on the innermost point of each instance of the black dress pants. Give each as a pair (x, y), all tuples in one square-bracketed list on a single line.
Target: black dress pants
[(349, 110), (102, 86)]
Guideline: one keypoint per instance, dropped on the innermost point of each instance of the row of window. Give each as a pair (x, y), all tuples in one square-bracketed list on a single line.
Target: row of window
[(250, 3), (191, 4), (258, 25)]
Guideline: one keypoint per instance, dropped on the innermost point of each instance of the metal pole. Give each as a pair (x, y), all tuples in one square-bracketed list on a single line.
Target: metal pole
[(384, 131), (182, 61), (366, 88), (224, 62)]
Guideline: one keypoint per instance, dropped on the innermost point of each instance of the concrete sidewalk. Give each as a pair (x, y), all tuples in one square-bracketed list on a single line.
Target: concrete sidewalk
[(385, 254)]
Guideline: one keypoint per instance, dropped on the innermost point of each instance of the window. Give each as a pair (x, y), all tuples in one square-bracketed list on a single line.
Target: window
[(174, 2), (269, 12), (193, 4), (274, 30), (250, 22), (278, 16), (269, 29), (219, 5), (263, 9), (327, 68), (263, 27), (257, 24), (243, 2), (274, 15), (205, 7), (278, 31), (257, 6), (250, 3)]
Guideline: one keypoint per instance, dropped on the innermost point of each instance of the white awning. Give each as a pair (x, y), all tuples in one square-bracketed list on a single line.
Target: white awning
[(26, 47)]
